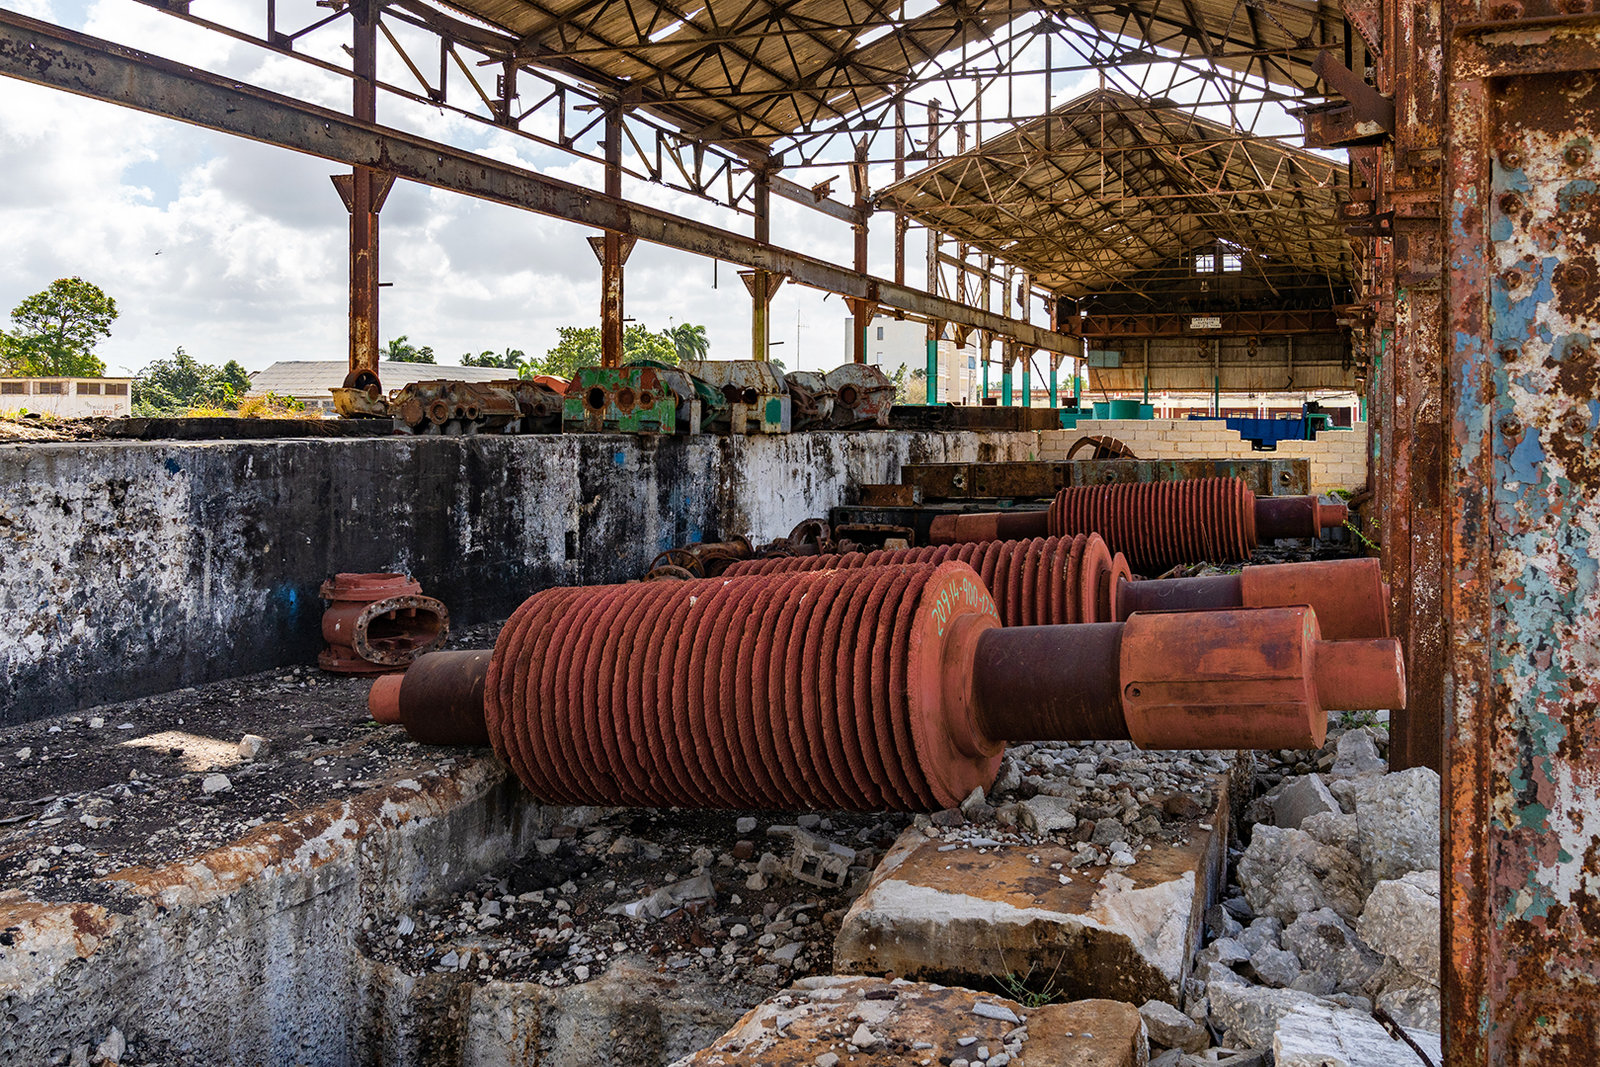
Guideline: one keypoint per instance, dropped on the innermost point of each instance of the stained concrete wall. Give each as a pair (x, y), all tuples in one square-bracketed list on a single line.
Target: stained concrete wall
[(131, 568)]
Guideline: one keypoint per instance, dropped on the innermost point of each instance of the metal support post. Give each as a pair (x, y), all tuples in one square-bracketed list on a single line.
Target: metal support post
[(1519, 589), (761, 291), (612, 256), (363, 192)]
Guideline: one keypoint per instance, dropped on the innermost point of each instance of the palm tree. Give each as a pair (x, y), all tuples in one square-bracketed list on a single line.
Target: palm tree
[(690, 341)]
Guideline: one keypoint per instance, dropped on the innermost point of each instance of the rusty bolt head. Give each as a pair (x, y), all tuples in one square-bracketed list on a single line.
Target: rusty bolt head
[(1509, 9), (1510, 158), (1510, 426), (1575, 423), (1511, 204), (1511, 279), (1578, 154), (1576, 7)]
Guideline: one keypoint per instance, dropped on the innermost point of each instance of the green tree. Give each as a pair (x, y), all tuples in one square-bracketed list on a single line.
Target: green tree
[(402, 351), (510, 359), (579, 346), (910, 387), (689, 340), (57, 330), (173, 386)]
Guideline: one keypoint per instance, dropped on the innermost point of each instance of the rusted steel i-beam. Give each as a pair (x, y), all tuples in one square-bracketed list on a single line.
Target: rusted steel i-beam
[(612, 257), (45, 54), (1522, 593)]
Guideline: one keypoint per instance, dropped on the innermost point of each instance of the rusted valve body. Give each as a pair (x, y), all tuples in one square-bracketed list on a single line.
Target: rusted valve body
[(878, 688), (1157, 524), (1053, 581), (378, 623)]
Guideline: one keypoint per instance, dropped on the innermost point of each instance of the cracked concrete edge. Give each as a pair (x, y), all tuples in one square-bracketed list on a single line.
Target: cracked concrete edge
[(280, 908)]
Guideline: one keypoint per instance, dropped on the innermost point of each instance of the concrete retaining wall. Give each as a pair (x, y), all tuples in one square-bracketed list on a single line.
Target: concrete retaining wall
[(1338, 457), (133, 568)]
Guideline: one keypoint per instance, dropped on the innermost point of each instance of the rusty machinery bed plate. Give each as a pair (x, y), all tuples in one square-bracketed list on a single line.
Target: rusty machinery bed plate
[(867, 526), (1023, 480), (971, 417), (234, 429)]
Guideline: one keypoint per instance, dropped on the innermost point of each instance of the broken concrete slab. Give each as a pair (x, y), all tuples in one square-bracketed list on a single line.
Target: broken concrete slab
[(822, 1020), (974, 916), (1397, 824), (1285, 873), (1401, 920), (1300, 798), (1316, 1036), (1247, 1015)]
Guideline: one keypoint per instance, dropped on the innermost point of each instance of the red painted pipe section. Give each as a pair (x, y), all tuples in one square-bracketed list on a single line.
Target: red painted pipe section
[(1156, 524), (378, 623), (871, 688)]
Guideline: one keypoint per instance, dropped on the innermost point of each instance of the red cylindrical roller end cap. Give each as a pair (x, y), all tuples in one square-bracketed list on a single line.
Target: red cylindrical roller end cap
[(1360, 675), (384, 699)]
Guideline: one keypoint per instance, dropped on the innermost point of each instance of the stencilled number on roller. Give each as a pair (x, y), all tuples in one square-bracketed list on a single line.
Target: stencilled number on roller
[(957, 593)]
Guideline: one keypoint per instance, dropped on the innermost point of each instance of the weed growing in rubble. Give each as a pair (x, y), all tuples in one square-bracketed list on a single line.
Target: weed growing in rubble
[(1020, 989)]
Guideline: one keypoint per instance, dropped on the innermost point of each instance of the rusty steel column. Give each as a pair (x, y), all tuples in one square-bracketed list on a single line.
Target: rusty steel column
[(759, 281), (363, 191), (611, 250), (1418, 455), (858, 185), (901, 223), (1522, 595)]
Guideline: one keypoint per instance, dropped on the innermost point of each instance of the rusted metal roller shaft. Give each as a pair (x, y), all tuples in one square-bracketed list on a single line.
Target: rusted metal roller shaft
[(1048, 581), (877, 688), (1157, 524)]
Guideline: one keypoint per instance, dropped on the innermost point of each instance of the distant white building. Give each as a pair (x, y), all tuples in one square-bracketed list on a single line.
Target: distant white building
[(891, 342), (312, 381), (68, 398)]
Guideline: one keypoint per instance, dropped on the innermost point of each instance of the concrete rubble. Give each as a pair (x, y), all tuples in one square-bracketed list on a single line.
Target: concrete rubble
[(827, 1021)]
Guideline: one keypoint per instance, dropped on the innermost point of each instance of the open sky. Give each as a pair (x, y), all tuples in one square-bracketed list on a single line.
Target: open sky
[(235, 250)]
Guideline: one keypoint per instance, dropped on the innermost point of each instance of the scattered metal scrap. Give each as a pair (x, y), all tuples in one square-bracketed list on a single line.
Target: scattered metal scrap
[(378, 623), (1103, 445), (878, 688)]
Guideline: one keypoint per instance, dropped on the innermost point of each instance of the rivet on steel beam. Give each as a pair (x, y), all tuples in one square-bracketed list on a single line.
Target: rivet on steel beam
[(1511, 204), (1510, 9), (1510, 426), (1578, 154), (1510, 158), (1575, 423), (1511, 279)]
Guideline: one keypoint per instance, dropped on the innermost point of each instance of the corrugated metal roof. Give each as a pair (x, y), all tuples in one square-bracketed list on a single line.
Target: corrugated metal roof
[(312, 379), (1110, 191)]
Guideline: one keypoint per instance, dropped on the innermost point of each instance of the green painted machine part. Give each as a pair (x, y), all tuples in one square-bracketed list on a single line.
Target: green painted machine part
[(642, 397)]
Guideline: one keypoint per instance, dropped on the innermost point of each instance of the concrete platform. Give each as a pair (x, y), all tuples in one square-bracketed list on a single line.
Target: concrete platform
[(821, 1022), (1009, 914)]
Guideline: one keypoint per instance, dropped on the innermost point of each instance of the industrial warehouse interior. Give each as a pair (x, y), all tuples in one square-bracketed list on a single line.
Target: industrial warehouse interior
[(1098, 567)]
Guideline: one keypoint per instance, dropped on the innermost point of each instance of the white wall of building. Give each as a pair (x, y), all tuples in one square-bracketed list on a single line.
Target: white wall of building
[(68, 398), (892, 342)]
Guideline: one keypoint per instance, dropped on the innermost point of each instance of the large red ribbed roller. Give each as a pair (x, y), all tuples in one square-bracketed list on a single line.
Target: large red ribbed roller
[(804, 689), (1044, 581), (1156, 524)]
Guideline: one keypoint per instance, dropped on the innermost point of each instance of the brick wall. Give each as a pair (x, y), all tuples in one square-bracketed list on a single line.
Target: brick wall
[(1338, 457)]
